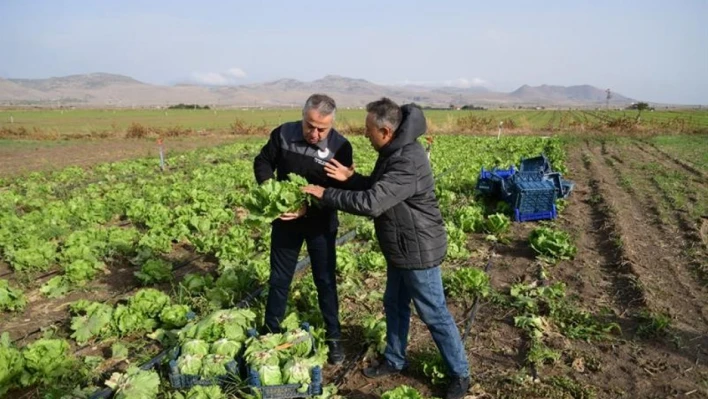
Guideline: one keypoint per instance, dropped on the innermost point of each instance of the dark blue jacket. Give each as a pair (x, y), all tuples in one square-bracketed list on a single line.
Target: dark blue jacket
[(400, 196)]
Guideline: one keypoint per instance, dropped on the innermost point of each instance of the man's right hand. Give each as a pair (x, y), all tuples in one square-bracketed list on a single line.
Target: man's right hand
[(294, 215), (337, 171)]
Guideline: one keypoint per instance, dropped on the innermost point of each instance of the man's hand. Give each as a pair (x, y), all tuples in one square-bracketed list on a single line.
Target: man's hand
[(337, 171), (294, 215), (315, 191)]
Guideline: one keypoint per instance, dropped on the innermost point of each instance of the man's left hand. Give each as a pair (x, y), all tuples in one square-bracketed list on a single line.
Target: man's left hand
[(315, 191), (337, 171)]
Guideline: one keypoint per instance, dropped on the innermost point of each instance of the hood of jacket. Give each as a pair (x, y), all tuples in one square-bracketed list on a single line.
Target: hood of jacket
[(412, 126)]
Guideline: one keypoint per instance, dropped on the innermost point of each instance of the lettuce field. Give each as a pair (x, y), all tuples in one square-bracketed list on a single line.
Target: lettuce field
[(121, 279)]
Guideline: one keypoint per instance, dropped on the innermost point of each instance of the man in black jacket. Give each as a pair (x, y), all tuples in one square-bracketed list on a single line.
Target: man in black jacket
[(400, 196), (303, 148)]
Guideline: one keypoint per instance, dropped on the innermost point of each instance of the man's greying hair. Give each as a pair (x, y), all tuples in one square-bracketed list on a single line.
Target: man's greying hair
[(386, 113), (323, 103)]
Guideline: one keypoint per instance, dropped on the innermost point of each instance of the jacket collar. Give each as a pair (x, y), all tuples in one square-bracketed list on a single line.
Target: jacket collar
[(299, 138)]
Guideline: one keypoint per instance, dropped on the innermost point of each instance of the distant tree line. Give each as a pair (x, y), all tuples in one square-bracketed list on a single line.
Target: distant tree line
[(473, 107), (641, 106), (454, 107), (188, 106), (428, 107)]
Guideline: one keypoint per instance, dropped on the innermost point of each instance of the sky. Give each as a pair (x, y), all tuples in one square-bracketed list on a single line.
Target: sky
[(648, 50)]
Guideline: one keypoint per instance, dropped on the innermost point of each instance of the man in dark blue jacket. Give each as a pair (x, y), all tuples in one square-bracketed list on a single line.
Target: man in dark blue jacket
[(303, 148), (400, 196)]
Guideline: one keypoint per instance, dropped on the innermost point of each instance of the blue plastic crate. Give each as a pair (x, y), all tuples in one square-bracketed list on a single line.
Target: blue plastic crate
[(527, 217), (287, 390), (495, 187), (487, 186), (533, 198), (187, 381), (495, 182), (492, 186), (527, 176), (563, 187), (566, 187), (503, 173), (536, 164), (506, 189)]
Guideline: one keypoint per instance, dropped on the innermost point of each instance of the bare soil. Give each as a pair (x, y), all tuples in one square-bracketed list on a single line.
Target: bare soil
[(18, 158)]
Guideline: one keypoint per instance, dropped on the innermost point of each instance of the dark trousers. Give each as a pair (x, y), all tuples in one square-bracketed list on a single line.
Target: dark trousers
[(285, 248)]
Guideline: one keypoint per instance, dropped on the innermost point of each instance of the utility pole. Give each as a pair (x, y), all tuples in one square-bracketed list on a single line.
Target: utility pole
[(609, 95)]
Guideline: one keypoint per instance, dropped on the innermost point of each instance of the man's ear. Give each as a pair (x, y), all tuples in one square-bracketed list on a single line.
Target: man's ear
[(387, 132)]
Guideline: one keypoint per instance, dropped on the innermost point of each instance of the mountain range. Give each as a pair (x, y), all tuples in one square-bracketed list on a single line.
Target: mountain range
[(110, 90)]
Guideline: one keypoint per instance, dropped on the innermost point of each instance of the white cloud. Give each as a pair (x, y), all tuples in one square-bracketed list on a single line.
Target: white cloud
[(231, 76), (236, 72), (465, 83)]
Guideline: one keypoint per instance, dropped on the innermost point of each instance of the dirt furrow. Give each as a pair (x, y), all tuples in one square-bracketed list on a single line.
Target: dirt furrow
[(602, 263), (684, 232), (652, 255)]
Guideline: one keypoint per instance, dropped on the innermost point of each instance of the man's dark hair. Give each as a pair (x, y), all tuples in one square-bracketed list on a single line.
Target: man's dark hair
[(323, 103), (386, 113)]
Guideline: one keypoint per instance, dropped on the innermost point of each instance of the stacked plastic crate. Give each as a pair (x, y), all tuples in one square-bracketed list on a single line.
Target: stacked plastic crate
[(531, 191)]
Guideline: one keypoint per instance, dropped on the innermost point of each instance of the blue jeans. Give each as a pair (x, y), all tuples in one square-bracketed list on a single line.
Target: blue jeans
[(425, 288)]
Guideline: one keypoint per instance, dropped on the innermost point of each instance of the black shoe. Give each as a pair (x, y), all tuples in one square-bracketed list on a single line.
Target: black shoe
[(336, 352), (382, 370), (263, 330), (458, 388)]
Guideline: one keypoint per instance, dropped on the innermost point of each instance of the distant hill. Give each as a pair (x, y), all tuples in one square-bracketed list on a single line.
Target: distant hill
[(89, 81), (560, 94), (103, 89), (12, 90)]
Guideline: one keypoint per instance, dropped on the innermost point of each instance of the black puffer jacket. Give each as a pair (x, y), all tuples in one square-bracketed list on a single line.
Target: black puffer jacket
[(400, 195)]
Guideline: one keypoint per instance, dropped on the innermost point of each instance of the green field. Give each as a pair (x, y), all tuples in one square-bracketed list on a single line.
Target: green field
[(83, 122), (693, 149)]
